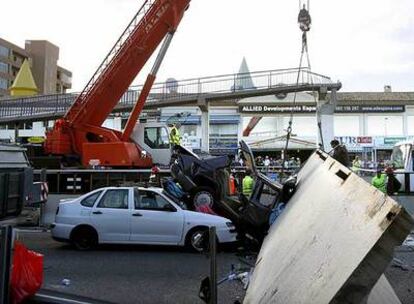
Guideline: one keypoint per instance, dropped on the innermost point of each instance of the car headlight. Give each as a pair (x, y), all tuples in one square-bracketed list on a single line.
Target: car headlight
[(230, 224)]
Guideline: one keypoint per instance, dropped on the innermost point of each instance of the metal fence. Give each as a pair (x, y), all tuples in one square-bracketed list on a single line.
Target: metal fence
[(55, 105)]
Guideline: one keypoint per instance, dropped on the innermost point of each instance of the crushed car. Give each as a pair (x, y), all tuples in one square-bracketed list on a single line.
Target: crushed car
[(205, 186)]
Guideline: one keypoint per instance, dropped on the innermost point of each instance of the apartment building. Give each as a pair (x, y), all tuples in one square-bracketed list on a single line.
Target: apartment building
[(43, 57)]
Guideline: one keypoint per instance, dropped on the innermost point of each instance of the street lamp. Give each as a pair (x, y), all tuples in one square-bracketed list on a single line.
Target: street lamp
[(385, 126)]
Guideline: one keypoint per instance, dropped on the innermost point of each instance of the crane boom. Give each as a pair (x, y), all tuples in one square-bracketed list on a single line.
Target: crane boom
[(80, 130)]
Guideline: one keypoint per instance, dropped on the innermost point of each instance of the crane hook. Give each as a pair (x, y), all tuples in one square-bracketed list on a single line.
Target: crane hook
[(304, 19)]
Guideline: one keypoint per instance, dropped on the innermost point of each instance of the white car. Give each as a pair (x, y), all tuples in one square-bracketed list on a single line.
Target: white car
[(131, 215)]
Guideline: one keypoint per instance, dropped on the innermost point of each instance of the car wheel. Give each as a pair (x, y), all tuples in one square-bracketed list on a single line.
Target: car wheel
[(84, 238), (196, 239), (203, 196)]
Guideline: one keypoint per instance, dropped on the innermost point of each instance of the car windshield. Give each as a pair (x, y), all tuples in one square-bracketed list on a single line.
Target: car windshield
[(399, 155), (248, 156)]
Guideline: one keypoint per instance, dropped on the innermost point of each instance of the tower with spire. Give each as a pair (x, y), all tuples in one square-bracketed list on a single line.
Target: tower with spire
[(24, 84)]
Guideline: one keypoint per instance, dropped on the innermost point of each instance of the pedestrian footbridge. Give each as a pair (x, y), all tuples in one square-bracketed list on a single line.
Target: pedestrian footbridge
[(197, 91)]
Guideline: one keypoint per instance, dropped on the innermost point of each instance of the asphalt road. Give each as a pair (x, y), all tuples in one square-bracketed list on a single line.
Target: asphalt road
[(148, 274), (130, 274)]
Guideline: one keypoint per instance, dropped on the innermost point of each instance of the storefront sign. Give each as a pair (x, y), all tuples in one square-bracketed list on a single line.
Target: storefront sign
[(223, 145), (391, 141), (370, 109), (355, 141), (388, 142), (191, 142), (275, 109), (263, 109)]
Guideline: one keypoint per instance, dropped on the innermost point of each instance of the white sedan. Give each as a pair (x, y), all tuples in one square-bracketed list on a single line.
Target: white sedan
[(131, 215)]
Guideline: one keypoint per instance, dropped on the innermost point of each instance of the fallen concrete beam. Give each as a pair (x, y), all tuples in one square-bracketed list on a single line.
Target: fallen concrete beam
[(383, 293), (333, 241)]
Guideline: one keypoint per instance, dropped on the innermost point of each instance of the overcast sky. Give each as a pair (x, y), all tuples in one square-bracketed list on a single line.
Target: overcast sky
[(363, 43)]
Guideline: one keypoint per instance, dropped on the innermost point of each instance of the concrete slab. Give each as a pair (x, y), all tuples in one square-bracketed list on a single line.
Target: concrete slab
[(333, 241), (383, 293)]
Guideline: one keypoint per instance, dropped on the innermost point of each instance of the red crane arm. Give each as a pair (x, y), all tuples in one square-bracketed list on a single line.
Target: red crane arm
[(251, 125), (125, 61), (80, 131)]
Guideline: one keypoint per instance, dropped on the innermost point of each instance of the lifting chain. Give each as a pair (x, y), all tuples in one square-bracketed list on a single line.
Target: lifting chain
[(304, 20)]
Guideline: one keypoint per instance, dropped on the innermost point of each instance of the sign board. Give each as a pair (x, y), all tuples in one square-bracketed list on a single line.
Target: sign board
[(370, 109), (356, 141), (191, 142), (36, 140), (275, 109), (223, 145), (391, 141), (388, 142)]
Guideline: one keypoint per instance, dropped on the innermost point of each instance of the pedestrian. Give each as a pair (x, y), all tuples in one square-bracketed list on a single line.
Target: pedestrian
[(155, 177), (248, 183), (356, 165), (393, 184), (266, 163), (379, 181), (340, 153)]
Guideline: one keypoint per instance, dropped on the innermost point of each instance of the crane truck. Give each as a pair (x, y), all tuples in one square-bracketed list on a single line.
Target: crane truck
[(80, 131)]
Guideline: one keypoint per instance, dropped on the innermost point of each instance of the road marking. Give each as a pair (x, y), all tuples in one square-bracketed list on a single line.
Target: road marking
[(66, 300)]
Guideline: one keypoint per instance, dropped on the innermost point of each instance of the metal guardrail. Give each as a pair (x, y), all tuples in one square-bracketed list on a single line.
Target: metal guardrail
[(56, 105)]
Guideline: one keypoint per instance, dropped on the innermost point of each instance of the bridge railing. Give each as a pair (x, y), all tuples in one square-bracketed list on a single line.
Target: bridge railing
[(58, 104)]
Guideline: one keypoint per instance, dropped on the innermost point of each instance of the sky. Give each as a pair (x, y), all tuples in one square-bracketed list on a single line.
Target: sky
[(364, 44)]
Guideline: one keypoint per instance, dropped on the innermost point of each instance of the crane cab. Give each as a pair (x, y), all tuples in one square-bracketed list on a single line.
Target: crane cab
[(153, 137)]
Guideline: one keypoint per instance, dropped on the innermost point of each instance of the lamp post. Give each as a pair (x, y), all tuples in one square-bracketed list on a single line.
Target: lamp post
[(385, 126)]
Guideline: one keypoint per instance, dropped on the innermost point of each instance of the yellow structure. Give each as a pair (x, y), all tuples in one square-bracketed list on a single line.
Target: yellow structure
[(24, 84)]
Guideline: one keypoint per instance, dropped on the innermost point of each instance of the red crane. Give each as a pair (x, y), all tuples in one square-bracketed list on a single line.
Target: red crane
[(80, 131)]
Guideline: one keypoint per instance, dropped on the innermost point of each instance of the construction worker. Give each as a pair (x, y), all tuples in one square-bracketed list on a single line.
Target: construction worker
[(175, 138), (339, 152), (356, 165), (379, 181), (248, 183)]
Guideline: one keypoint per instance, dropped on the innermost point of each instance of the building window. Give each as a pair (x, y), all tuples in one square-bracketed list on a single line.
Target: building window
[(156, 138), (346, 125), (188, 130), (410, 126), (4, 67), (4, 51), (4, 83), (385, 125), (302, 126)]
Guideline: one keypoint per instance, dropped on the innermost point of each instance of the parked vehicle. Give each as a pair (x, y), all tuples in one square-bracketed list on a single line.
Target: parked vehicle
[(18, 192), (207, 182), (134, 215)]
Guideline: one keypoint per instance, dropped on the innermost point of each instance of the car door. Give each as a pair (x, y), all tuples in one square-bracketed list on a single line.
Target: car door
[(111, 215), (155, 219)]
